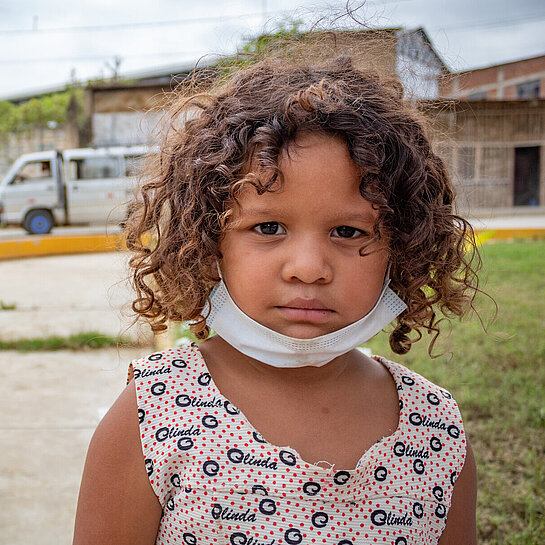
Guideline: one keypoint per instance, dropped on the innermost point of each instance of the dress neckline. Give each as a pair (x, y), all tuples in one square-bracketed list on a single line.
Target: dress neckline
[(244, 421)]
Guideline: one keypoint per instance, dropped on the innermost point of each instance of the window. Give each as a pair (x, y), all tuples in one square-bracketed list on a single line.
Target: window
[(93, 168), (446, 153), (529, 89), (494, 163), (33, 172), (133, 165), (480, 95), (466, 163)]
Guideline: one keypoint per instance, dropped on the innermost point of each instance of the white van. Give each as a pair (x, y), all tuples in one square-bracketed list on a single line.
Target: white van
[(88, 185)]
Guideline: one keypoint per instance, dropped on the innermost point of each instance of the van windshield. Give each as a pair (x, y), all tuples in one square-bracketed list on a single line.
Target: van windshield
[(32, 172)]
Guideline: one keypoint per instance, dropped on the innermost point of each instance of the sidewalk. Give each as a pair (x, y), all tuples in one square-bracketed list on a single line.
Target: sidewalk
[(52, 403), (66, 294), (509, 222)]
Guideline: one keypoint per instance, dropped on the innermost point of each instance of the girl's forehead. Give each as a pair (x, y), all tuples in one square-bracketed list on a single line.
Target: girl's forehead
[(314, 165), (304, 146), (312, 198)]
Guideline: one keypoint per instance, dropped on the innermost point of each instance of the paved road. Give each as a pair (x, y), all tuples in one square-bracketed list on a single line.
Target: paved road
[(51, 402), (17, 232)]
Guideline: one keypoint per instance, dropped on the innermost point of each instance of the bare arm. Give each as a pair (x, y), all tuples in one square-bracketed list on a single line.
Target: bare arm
[(116, 502), (461, 526)]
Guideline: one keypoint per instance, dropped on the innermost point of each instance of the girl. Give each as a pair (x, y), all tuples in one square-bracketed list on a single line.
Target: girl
[(297, 212)]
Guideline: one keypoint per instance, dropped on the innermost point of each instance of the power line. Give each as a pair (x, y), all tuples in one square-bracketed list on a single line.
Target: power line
[(499, 23), (105, 56), (132, 26), (220, 19)]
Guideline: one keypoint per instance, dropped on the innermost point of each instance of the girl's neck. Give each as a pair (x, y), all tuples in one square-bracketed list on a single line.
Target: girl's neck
[(216, 351)]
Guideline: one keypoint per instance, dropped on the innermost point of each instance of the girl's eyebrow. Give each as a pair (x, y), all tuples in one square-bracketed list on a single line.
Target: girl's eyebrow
[(356, 216), (260, 211)]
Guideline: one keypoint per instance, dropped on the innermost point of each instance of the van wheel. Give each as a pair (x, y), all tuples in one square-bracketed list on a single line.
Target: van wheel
[(38, 222)]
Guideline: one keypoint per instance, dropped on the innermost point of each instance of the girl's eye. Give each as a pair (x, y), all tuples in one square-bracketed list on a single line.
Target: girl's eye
[(269, 228), (344, 231)]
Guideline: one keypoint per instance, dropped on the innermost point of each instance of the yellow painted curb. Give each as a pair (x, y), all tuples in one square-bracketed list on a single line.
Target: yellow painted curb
[(483, 235), (35, 246)]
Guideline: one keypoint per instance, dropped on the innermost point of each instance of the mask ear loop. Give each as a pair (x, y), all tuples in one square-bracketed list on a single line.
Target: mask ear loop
[(219, 270), (387, 276)]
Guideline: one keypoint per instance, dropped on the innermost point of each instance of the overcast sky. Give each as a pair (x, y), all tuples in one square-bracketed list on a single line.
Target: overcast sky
[(45, 43)]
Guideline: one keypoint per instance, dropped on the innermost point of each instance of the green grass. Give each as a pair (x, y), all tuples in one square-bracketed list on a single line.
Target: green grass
[(81, 341), (498, 379)]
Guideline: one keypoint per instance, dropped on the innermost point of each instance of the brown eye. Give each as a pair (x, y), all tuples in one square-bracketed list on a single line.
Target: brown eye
[(269, 228), (344, 231)]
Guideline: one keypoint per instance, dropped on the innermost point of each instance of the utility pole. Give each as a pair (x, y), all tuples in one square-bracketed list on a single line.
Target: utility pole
[(264, 12)]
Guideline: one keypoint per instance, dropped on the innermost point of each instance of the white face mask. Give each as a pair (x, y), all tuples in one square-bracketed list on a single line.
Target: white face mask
[(270, 347)]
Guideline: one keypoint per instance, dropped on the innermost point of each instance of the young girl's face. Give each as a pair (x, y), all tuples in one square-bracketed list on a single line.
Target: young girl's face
[(291, 260)]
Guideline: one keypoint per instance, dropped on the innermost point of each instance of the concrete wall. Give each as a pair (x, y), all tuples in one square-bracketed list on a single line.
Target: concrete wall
[(123, 115), (42, 138), (127, 114), (125, 128)]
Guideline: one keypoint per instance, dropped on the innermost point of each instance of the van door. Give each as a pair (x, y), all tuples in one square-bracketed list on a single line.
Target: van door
[(33, 185), (92, 188)]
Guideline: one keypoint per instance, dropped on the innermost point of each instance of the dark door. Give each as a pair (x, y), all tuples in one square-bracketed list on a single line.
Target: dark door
[(526, 176)]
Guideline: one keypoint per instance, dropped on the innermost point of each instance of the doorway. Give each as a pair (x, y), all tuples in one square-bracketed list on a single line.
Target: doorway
[(526, 186)]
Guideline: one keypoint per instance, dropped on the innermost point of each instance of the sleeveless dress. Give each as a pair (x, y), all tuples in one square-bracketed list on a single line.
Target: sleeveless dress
[(220, 481)]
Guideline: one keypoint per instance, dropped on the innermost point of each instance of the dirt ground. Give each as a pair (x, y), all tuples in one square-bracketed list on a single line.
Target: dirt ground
[(52, 401)]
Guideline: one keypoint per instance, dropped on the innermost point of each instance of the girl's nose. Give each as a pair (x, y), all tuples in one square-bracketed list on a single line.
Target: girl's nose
[(307, 261)]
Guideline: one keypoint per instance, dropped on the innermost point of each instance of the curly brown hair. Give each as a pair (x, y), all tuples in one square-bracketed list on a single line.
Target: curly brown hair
[(193, 182)]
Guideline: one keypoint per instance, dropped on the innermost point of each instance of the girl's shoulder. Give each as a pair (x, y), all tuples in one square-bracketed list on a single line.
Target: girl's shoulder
[(415, 385), (168, 384)]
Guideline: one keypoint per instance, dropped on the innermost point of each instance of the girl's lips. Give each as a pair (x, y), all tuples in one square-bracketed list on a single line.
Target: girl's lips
[(305, 304), (309, 315)]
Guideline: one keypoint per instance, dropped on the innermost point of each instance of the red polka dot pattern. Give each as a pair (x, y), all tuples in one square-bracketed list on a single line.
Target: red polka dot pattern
[(219, 481)]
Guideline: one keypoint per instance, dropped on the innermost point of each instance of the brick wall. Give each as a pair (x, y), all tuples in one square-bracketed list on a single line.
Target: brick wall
[(495, 82)]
